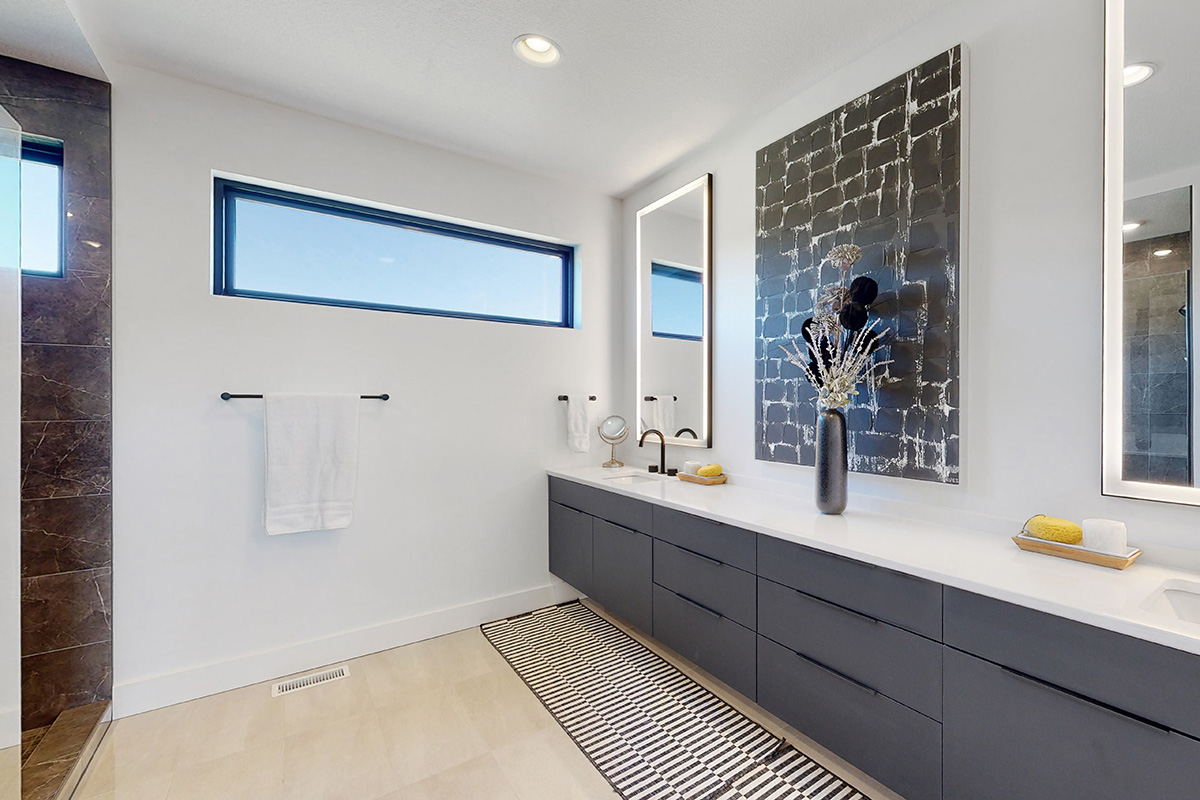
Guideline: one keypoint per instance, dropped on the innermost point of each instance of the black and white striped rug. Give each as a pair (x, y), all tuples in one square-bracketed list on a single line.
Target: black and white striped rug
[(653, 732)]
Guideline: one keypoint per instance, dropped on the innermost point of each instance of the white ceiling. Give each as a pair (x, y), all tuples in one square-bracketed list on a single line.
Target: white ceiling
[(641, 82), (1162, 116), (1161, 214), (44, 32)]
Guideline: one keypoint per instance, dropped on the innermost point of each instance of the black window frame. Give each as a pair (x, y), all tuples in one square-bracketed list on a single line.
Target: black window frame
[(42, 150), (226, 190), (678, 273)]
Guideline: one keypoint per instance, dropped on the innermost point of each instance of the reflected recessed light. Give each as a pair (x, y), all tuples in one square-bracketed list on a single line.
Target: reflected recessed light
[(1163, 253), (1131, 226), (1137, 73), (536, 49), (90, 243)]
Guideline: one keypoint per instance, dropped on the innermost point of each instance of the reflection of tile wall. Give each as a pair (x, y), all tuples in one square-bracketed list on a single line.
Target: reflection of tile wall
[(66, 503), (1157, 379)]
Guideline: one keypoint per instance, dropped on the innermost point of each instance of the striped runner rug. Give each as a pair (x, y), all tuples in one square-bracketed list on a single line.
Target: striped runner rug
[(652, 732)]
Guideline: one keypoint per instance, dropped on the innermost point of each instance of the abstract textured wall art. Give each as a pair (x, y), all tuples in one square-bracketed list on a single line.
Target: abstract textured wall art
[(882, 172)]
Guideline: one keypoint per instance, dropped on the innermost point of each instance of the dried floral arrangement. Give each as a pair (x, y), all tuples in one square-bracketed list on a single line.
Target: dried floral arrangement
[(841, 344)]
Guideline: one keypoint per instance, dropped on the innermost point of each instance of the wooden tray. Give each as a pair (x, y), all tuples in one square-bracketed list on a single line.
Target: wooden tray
[(683, 476), (1075, 552)]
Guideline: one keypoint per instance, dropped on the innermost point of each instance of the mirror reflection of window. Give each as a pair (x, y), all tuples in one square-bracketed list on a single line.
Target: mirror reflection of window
[(676, 302), (1157, 339)]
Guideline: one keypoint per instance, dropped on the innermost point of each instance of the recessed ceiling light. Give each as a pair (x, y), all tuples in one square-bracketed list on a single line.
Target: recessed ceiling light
[(1137, 73), (536, 49), (1163, 253), (1131, 226)]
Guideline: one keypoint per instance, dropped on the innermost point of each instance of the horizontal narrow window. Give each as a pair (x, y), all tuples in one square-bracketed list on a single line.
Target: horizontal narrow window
[(676, 302), (280, 245), (42, 214)]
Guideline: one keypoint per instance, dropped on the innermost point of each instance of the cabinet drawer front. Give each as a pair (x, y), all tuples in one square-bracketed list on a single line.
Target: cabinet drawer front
[(894, 597), (621, 572), (1146, 679), (611, 506), (715, 644), (571, 546), (895, 662), (890, 742), (727, 590), (725, 543), (1008, 736)]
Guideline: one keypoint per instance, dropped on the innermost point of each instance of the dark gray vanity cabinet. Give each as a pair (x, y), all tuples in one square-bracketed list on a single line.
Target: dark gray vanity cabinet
[(571, 546), (850, 655), (1036, 705), (1007, 736), (622, 572), (933, 691)]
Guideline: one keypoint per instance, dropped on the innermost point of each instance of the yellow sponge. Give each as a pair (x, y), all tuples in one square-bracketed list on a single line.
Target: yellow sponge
[(1053, 529), (711, 471)]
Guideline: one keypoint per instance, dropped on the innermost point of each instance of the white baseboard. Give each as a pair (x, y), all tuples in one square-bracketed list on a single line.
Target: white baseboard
[(158, 691)]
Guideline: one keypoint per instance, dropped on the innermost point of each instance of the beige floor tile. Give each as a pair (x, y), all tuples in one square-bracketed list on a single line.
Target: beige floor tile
[(137, 749), (10, 771), (345, 760), (153, 787), (396, 675), (321, 705), (547, 765), (466, 654), (501, 707), (255, 774), (230, 722), (478, 779), (429, 733)]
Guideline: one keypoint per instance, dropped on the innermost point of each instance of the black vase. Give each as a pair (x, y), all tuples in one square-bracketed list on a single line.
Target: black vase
[(831, 461)]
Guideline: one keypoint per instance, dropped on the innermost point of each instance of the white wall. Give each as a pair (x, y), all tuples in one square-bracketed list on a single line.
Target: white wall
[(1033, 271), (449, 526), (670, 366)]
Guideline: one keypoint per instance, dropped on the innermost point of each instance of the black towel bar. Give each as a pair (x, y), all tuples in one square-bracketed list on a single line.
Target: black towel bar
[(228, 396), (651, 398), (563, 397)]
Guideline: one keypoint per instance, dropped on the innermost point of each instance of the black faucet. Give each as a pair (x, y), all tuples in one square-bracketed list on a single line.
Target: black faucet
[(662, 458)]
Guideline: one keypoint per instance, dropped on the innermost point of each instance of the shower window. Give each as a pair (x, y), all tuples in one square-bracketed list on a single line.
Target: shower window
[(42, 217), (282, 245)]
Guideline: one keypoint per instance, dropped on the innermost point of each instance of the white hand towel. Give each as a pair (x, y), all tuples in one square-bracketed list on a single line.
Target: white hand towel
[(312, 461), (664, 414), (579, 430)]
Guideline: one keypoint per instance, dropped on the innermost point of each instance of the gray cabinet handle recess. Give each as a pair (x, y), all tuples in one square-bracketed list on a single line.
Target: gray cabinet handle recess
[(835, 673), (836, 607), (700, 606), (709, 559), (1126, 717)]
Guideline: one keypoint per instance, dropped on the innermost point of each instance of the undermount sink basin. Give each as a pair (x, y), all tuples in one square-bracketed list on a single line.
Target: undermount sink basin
[(1176, 598), (634, 478)]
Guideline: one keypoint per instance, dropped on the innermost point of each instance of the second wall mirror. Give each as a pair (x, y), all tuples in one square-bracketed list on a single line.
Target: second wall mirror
[(674, 315)]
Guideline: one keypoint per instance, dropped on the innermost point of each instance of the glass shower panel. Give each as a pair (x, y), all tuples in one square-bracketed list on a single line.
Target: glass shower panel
[(10, 409)]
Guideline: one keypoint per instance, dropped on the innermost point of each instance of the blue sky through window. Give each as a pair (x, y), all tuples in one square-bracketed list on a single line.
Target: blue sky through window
[(41, 218), (289, 250), (676, 302)]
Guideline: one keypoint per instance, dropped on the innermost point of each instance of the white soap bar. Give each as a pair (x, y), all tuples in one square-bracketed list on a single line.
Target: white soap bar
[(692, 467), (1105, 535)]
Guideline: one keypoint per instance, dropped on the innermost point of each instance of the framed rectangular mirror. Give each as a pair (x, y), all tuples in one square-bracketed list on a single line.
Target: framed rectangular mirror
[(1152, 164), (674, 315)]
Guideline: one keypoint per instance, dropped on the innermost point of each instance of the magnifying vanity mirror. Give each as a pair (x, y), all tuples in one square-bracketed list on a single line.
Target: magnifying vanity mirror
[(1152, 165), (613, 431), (674, 315)]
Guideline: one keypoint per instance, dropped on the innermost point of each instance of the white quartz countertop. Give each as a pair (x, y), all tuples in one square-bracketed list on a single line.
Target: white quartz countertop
[(985, 563)]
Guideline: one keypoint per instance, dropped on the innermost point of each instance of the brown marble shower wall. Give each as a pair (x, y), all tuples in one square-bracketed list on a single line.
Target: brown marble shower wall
[(66, 410)]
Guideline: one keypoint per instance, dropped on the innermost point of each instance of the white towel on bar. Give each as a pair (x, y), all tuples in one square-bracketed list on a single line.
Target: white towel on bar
[(664, 414), (312, 461), (579, 429)]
